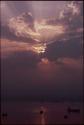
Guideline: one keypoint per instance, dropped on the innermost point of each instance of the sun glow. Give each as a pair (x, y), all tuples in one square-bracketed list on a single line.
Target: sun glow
[(39, 31), (45, 61), (42, 35), (39, 48)]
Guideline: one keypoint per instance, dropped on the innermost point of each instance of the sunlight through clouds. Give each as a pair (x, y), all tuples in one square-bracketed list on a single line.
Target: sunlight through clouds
[(39, 29)]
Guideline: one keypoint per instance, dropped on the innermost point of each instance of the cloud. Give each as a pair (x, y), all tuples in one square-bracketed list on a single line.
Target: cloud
[(8, 48), (25, 19), (25, 26), (20, 61), (70, 19), (71, 43), (7, 34), (72, 48), (72, 15), (62, 37), (37, 34)]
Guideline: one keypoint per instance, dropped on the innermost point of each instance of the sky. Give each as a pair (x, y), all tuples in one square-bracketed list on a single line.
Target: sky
[(42, 50)]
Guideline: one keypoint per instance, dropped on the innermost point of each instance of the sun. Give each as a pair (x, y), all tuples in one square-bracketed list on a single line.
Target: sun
[(39, 48)]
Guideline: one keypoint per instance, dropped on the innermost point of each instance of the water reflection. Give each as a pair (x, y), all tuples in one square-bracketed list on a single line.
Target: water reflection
[(41, 114)]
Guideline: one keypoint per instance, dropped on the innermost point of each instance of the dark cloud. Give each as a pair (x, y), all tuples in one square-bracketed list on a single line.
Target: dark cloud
[(72, 48), (28, 18), (72, 16), (22, 59), (27, 77)]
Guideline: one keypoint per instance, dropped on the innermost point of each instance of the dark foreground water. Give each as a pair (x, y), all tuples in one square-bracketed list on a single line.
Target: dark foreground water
[(29, 113)]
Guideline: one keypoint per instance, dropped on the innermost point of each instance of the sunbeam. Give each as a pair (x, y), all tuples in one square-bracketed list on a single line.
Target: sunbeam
[(6, 12)]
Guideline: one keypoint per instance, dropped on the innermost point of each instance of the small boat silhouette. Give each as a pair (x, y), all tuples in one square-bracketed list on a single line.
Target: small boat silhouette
[(4, 115), (41, 111), (73, 110), (65, 116)]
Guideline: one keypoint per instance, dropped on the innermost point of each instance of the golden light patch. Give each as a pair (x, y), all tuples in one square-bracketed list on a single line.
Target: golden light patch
[(39, 48), (45, 60), (9, 47)]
